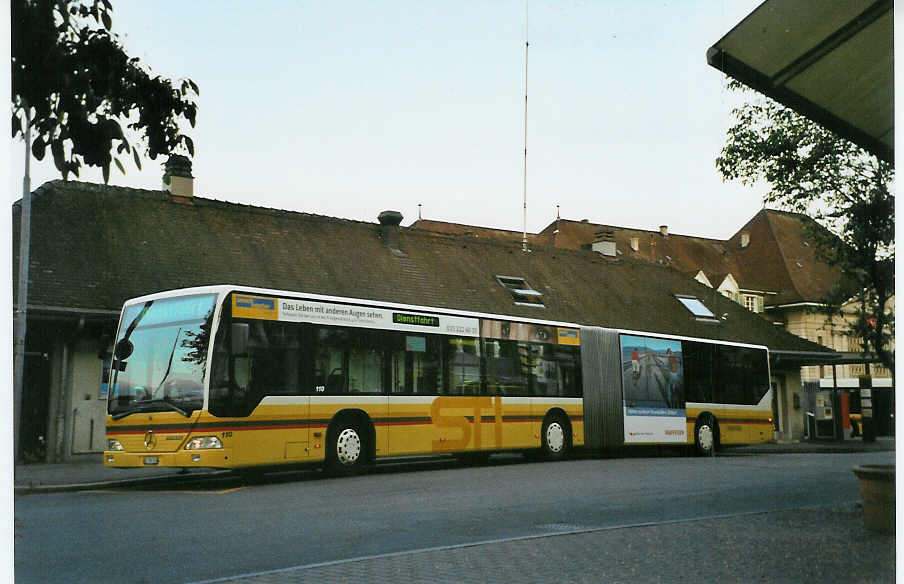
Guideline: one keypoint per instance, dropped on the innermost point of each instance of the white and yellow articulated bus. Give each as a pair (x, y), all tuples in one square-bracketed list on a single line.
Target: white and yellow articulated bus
[(238, 377)]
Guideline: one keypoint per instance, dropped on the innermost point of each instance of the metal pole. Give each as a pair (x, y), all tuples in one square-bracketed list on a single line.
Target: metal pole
[(22, 296), (524, 193), (838, 424)]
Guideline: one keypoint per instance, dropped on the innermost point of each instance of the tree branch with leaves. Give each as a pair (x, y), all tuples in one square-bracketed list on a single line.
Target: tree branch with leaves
[(811, 170), (73, 81)]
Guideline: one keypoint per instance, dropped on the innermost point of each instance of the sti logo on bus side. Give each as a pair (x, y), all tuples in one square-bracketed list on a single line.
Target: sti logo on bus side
[(569, 336), (255, 302), (247, 306)]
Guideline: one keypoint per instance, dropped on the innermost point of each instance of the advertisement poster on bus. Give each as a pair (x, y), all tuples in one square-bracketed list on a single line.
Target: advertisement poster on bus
[(295, 310), (653, 389)]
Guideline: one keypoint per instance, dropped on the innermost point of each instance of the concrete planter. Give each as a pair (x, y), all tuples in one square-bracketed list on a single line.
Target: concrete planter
[(877, 492)]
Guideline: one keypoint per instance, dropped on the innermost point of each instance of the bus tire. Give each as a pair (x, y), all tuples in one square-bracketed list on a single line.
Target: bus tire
[(555, 438), (705, 435), (347, 445)]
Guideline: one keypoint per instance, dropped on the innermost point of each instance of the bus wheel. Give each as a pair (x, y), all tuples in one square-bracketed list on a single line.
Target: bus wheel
[(555, 438), (347, 453), (705, 435)]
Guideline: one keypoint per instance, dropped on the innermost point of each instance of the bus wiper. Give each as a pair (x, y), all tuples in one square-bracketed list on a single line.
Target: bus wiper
[(169, 364), (141, 406)]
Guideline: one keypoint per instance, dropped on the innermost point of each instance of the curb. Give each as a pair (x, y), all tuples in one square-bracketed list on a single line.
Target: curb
[(137, 482), (805, 449)]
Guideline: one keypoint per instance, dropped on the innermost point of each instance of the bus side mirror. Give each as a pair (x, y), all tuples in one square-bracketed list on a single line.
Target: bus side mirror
[(241, 331), (123, 349)]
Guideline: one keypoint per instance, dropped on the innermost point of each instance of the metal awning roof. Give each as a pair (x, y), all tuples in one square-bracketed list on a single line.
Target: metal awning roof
[(827, 357), (830, 60)]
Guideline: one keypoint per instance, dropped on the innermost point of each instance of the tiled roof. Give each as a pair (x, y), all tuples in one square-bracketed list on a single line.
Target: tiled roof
[(780, 257), (94, 246), (804, 276), (478, 232)]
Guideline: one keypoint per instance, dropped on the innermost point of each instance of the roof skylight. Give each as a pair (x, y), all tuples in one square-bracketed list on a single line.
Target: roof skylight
[(696, 307), (521, 291)]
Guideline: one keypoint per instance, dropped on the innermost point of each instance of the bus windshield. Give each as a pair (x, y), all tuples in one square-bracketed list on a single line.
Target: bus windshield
[(161, 355)]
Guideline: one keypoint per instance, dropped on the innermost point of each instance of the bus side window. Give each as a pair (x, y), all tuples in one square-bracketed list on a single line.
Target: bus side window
[(561, 369), (415, 363), (241, 373), (508, 365), (275, 352), (698, 371), (463, 364), (335, 381), (365, 366), (329, 372)]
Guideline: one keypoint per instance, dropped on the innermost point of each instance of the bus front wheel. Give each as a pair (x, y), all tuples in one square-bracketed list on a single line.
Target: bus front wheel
[(347, 452), (554, 435), (705, 435)]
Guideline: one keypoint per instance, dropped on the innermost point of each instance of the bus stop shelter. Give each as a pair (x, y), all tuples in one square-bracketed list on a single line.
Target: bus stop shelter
[(831, 61), (828, 409)]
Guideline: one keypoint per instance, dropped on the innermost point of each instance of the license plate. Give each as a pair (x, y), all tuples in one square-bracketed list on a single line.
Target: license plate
[(151, 459)]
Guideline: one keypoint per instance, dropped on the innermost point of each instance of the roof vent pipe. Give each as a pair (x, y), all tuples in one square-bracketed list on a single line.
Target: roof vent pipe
[(389, 227)]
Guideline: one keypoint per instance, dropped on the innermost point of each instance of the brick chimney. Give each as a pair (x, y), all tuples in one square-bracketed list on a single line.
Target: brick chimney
[(177, 178), (389, 227)]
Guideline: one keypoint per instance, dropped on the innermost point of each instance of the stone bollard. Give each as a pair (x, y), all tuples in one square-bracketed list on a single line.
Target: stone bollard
[(877, 493)]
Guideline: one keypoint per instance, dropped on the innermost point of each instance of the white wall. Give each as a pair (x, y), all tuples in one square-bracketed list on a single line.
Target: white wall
[(792, 421), (88, 412)]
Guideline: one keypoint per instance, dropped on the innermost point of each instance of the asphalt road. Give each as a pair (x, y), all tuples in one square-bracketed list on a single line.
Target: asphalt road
[(219, 530)]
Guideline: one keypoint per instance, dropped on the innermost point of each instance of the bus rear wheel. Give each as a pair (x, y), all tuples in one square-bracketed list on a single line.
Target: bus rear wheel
[(555, 438), (347, 449), (705, 435)]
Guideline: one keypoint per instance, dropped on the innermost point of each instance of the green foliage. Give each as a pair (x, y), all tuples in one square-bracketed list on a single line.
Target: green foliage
[(73, 79), (810, 170)]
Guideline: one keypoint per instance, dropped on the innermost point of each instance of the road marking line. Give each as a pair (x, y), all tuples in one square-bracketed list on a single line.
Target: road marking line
[(168, 492)]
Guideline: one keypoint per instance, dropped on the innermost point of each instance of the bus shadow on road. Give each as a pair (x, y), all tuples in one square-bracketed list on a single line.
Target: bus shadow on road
[(262, 476)]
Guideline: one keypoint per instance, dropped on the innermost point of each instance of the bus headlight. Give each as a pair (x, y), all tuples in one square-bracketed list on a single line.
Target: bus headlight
[(113, 444), (203, 443)]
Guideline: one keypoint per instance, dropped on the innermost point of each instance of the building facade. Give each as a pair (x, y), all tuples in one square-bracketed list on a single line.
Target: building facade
[(95, 246)]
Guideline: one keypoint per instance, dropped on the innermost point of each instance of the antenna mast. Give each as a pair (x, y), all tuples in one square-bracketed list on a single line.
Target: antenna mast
[(524, 182)]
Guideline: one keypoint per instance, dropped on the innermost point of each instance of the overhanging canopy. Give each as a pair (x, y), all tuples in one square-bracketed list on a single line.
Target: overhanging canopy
[(830, 60), (807, 358)]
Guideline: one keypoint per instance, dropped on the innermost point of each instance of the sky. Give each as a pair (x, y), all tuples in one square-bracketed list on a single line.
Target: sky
[(348, 109)]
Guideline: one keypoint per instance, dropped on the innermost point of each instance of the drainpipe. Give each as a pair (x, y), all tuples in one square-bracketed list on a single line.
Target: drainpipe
[(62, 406)]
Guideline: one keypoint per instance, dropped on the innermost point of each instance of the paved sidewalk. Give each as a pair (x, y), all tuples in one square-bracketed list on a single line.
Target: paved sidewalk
[(90, 473), (796, 545)]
